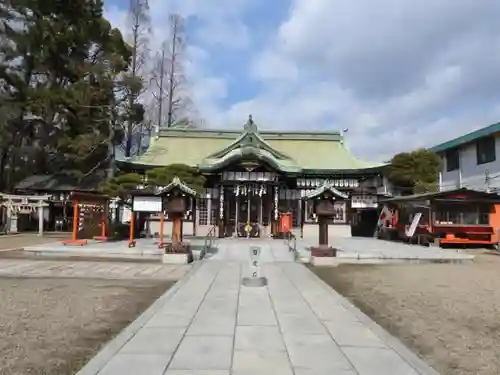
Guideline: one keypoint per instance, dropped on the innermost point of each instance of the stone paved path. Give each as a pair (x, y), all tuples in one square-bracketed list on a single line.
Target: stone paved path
[(211, 325), (87, 269)]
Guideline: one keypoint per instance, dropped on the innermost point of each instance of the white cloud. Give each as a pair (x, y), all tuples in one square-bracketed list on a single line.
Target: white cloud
[(398, 73)]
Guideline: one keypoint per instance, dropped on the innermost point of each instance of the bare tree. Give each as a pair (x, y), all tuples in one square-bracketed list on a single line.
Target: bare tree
[(170, 97), (139, 22)]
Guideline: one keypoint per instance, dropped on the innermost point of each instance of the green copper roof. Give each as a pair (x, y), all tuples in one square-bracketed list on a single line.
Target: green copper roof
[(249, 145), (467, 138), (210, 149)]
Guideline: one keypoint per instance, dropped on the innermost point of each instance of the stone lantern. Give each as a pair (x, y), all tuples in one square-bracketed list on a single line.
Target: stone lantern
[(176, 199), (324, 199)]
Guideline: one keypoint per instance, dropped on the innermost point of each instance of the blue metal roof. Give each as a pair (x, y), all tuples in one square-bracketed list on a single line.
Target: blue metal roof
[(467, 138)]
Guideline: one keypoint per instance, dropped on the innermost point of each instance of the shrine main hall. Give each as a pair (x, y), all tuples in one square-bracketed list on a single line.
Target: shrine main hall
[(253, 177)]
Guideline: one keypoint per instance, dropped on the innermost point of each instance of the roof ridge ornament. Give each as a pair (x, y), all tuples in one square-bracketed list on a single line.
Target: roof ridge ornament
[(250, 126)]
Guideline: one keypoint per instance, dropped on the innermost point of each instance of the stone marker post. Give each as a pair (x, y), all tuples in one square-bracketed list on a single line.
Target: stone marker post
[(255, 278)]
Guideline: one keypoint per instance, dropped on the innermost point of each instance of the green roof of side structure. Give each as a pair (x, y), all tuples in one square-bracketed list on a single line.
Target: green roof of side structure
[(289, 152), (467, 138)]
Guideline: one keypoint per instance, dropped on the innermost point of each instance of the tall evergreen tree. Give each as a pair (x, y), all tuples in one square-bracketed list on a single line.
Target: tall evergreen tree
[(61, 79)]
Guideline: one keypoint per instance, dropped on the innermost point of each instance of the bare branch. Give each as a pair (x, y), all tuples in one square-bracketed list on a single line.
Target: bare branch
[(171, 101), (139, 28), (139, 22)]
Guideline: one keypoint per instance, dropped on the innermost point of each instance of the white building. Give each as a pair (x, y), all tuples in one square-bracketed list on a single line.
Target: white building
[(471, 161)]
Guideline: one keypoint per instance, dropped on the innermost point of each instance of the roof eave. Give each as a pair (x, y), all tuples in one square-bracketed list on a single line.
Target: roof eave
[(466, 139)]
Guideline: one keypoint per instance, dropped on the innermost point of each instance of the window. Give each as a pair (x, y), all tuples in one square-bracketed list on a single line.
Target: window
[(452, 159), (462, 214), (203, 211), (485, 150)]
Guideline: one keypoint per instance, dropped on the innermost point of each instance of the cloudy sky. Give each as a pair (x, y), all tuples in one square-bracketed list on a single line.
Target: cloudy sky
[(399, 74)]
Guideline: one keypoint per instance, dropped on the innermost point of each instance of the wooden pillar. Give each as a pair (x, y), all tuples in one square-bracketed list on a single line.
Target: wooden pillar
[(194, 216), (131, 241), (222, 231), (323, 230), (176, 229), (236, 216), (76, 209), (161, 244)]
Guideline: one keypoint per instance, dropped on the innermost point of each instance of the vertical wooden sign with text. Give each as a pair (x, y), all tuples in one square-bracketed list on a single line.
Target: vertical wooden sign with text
[(254, 262)]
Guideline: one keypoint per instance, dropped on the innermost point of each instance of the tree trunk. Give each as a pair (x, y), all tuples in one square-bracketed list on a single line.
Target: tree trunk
[(171, 78), (3, 165), (131, 99)]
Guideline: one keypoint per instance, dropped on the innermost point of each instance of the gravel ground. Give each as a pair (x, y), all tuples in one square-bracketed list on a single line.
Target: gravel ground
[(16, 241), (448, 314), (53, 326)]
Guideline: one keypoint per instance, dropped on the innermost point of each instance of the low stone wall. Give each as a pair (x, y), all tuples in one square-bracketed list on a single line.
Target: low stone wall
[(187, 227), (311, 231)]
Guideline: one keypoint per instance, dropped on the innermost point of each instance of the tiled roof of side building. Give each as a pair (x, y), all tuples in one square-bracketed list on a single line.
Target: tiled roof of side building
[(467, 138)]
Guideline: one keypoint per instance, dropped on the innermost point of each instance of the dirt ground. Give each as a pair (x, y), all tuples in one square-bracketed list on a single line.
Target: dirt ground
[(53, 326), (17, 241), (449, 314)]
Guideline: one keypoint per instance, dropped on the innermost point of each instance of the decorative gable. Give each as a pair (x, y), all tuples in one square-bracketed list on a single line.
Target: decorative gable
[(325, 190), (250, 145)]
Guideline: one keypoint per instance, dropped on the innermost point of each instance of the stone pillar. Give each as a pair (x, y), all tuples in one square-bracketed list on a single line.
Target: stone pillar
[(11, 217), (40, 219)]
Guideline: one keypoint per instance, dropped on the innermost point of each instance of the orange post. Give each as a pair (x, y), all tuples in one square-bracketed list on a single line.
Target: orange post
[(74, 235), (131, 242), (102, 236), (75, 219), (285, 222), (161, 245)]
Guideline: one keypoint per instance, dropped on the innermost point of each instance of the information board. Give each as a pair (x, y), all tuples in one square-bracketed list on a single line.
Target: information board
[(147, 204)]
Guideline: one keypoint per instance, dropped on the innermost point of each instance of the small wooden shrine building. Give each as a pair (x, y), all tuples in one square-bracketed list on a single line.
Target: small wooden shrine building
[(454, 217)]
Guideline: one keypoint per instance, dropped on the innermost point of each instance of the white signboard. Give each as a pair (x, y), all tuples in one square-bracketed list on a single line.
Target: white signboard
[(413, 227), (254, 259), (147, 204), (364, 201)]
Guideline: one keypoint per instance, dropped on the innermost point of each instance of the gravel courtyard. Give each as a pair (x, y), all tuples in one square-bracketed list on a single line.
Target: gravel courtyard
[(52, 326), (449, 314)]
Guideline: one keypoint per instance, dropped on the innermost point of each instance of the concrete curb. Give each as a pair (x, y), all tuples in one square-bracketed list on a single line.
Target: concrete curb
[(411, 358), (98, 362)]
